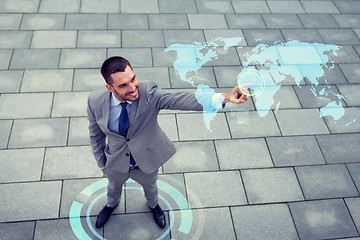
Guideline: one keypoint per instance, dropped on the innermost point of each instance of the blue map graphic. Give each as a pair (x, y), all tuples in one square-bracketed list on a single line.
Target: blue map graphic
[(266, 67)]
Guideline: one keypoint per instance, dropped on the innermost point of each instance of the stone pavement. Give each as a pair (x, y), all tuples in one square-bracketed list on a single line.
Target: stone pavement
[(289, 175)]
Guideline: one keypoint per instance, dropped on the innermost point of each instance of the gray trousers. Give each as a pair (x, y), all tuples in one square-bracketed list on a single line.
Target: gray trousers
[(117, 179)]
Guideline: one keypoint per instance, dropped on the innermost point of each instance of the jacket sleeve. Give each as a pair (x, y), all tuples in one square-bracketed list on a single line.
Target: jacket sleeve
[(97, 138), (183, 100)]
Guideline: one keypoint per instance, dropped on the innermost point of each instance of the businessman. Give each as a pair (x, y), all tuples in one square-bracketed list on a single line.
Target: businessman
[(125, 114)]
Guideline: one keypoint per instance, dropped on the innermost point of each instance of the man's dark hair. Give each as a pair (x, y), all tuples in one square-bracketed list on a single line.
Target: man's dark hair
[(113, 65)]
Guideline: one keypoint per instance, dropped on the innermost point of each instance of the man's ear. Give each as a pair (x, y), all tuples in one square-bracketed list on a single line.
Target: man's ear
[(109, 87)]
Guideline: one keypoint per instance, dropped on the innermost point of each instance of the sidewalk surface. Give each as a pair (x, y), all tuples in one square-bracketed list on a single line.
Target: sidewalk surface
[(289, 175)]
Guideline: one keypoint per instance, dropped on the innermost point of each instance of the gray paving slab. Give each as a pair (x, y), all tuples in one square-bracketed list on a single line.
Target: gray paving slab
[(35, 59), (78, 131), (207, 21), (271, 185), (159, 75), (70, 104), (353, 206), (317, 96), (282, 20), (347, 20), (21, 165), (54, 229), (138, 57), (128, 21), (348, 6), (205, 224), (183, 37), (345, 55), (139, 6), (15, 39), (348, 123), (33, 105), (301, 122), (120, 226), (99, 38), (354, 170), (54, 39), (322, 219), (350, 92), (47, 80), (243, 153), (193, 157), (245, 21), (39, 133), (71, 192), (352, 72), (5, 129), (214, 189), (330, 181), (284, 98), (250, 7), (10, 81), (58, 160), (191, 127), (66, 6), (168, 124), (226, 75), (206, 6), (271, 221), (357, 48), (42, 201), (211, 35), (318, 21), (5, 57), (265, 36), (248, 124), (290, 151), (86, 21), (87, 80), (339, 36), (10, 21), (332, 75), (17, 230), (340, 148), (228, 57), (174, 6), (319, 7), (82, 58), (168, 21), (21, 6), (142, 38), (162, 58), (43, 21), (100, 6), (302, 35), (285, 7), (136, 201), (204, 75)]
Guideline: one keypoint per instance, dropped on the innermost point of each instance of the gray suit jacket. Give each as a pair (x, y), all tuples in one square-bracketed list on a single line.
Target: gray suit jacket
[(148, 144)]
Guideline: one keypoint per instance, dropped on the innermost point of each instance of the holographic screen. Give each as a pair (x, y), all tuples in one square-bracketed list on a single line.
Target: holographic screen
[(172, 198), (267, 68)]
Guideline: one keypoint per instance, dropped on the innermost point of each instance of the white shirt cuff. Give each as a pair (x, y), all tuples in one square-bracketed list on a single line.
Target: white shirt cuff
[(217, 101)]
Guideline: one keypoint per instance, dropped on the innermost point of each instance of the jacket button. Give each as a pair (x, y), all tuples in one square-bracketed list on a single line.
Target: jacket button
[(128, 140), (127, 154)]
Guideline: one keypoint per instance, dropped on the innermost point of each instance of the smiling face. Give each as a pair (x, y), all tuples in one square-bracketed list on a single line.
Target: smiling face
[(124, 85)]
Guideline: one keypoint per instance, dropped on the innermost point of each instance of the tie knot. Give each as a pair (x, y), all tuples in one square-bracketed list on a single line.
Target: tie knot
[(123, 105)]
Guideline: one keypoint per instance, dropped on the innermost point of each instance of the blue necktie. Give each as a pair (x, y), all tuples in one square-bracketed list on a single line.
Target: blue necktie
[(124, 126)]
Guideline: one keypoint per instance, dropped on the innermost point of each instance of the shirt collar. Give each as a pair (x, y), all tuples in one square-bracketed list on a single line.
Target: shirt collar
[(116, 102)]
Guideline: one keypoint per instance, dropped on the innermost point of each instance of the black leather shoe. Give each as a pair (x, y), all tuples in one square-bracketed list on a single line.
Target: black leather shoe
[(159, 216), (104, 216)]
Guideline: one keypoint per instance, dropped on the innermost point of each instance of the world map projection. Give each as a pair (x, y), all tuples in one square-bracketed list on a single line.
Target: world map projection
[(267, 68)]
